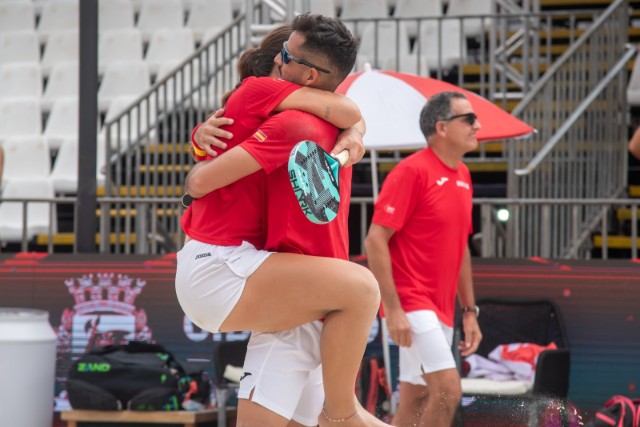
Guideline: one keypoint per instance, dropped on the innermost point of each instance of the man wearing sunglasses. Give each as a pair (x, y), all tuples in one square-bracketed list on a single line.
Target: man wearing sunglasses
[(283, 380), (417, 249)]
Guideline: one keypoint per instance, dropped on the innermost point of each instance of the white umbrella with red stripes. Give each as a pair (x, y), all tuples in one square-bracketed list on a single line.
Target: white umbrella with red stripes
[(391, 103)]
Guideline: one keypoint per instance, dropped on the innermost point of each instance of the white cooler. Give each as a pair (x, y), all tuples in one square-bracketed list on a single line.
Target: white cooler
[(27, 368)]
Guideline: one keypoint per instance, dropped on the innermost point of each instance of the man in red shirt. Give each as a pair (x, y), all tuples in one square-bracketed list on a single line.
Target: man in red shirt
[(417, 249)]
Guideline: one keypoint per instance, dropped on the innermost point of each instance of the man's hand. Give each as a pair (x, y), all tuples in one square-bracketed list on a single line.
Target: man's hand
[(399, 327), (472, 334), (209, 132), (351, 140)]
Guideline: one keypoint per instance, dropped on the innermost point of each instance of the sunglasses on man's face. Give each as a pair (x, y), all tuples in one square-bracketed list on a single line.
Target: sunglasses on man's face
[(469, 118), (288, 57)]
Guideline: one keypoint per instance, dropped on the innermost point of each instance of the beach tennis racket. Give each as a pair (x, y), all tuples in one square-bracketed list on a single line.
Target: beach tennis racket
[(313, 174)]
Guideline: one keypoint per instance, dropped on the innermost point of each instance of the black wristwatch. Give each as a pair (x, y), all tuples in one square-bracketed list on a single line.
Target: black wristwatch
[(471, 309), (186, 200)]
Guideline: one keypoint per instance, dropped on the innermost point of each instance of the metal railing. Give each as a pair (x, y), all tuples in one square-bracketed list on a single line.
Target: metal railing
[(146, 147), (579, 152), (146, 144), (614, 228)]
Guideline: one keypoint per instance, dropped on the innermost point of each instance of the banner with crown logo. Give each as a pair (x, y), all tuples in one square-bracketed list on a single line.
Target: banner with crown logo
[(98, 300)]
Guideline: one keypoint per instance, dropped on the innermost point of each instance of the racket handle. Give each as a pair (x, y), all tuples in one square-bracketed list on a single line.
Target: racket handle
[(342, 157)]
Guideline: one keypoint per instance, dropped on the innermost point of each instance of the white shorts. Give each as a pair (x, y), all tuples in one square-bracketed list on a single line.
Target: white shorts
[(210, 279), (430, 350), (283, 370)]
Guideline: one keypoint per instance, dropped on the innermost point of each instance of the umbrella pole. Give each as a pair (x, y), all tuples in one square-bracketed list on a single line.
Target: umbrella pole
[(386, 354)]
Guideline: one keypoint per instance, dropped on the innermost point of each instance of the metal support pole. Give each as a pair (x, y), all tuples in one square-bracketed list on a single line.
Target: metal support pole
[(86, 222)]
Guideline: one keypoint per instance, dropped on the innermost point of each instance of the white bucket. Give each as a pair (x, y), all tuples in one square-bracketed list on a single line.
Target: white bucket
[(27, 368)]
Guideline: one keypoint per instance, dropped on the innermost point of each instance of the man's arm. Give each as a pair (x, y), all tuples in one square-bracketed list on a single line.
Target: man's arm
[(379, 258), (210, 175), (472, 333)]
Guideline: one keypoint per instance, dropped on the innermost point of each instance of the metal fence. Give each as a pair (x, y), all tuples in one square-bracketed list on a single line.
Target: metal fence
[(147, 146), (502, 226), (579, 152)]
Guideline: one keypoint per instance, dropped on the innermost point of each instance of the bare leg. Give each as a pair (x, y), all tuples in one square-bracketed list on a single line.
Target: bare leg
[(289, 290), (251, 414), (369, 418), (443, 398), (413, 399)]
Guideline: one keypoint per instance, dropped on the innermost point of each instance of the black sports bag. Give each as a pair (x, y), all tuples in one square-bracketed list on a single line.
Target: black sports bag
[(137, 376)]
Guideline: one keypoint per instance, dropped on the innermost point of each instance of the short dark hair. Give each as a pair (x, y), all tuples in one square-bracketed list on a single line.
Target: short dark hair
[(331, 39), (438, 107)]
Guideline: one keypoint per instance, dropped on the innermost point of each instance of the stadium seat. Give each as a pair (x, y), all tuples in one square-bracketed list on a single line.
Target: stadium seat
[(63, 122), (206, 15), (159, 14), (59, 15), (41, 216), (441, 44), (416, 9), (132, 127), (124, 78), (115, 15), (472, 27), (64, 173), (62, 46), (19, 46), (323, 7), (119, 45), (63, 82), (382, 44), (25, 157), (17, 15), (363, 9), (167, 95), (20, 116), (20, 79), (169, 46)]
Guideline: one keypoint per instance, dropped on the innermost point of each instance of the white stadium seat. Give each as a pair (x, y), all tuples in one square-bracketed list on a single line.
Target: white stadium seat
[(20, 79), (19, 46), (41, 216)]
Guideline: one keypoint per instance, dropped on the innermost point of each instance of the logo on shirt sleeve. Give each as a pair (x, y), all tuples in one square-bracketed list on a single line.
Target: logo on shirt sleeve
[(260, 136), (389, 209)]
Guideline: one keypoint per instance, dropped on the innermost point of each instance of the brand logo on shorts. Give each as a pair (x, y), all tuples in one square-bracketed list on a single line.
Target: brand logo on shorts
[(245, 375), (204, 255)]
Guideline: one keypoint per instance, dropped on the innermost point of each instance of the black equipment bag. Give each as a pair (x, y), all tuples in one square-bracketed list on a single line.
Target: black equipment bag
[(138, 376)]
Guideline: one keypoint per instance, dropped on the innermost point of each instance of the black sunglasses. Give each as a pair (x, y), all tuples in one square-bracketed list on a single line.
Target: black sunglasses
[(288, 57), (469, 118)]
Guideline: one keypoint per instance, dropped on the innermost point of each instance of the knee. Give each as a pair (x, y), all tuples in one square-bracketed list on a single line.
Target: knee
[(369, 289), (449, 395), (417, 403)]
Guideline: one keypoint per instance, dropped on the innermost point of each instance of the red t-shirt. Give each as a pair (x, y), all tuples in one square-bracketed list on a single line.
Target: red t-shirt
[(428, 205), (234, 213), (288, 229)]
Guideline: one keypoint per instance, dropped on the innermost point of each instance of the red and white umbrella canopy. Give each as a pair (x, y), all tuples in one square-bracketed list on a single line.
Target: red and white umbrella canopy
[(391, 102)]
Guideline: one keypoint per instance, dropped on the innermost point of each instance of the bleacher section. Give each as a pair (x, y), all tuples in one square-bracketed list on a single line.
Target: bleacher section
[(142, 41)]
